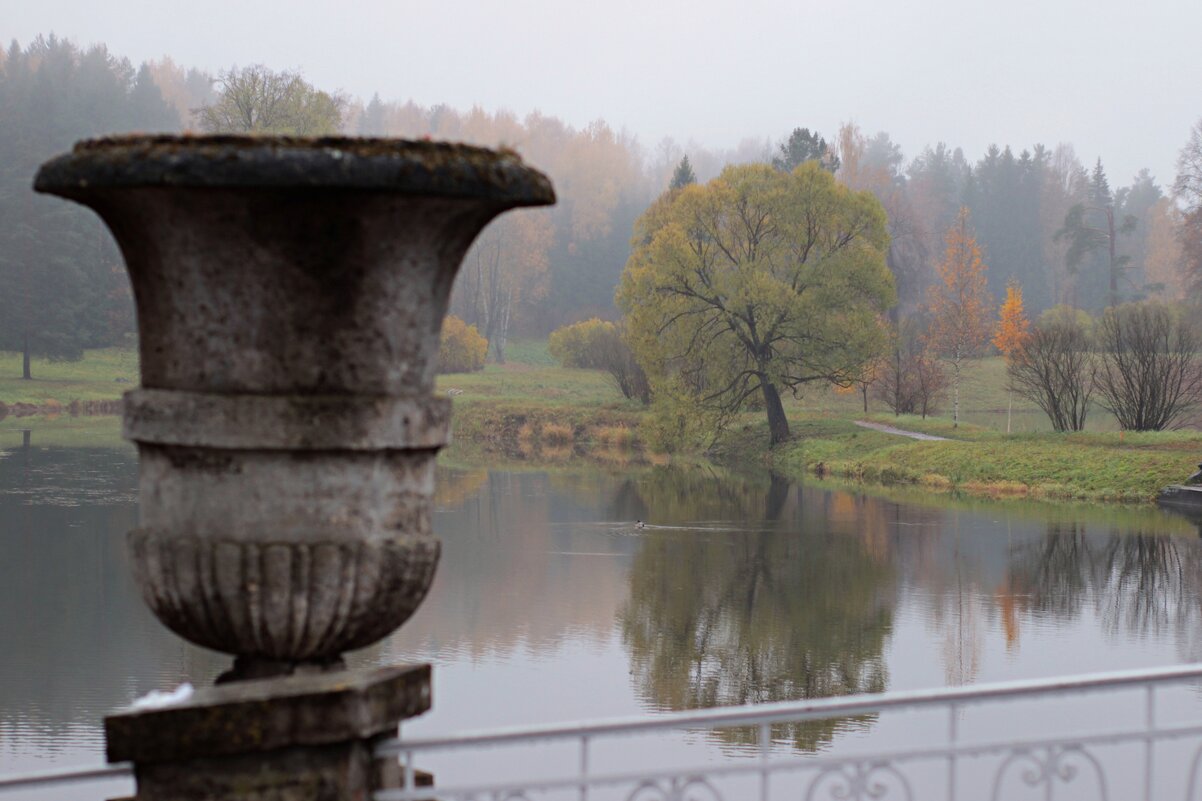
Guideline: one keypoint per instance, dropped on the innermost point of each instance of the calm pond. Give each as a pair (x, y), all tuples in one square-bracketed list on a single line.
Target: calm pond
[(550, 605)]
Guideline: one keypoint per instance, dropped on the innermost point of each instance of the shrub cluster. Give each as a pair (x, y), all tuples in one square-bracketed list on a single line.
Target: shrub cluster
[(599, 345), (910, 380), (1141, 359), (461, 348)]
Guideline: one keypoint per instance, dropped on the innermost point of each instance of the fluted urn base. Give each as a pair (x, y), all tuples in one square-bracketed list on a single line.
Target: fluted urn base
[(284, 607), (284, 530)]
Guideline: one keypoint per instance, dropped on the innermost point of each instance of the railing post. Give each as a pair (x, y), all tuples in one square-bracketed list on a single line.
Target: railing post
[(765, 752), (1150, 744), (952, 737), (584, 743)]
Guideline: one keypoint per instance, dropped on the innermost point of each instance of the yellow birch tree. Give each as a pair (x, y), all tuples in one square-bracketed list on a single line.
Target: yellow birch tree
[(959, 303), (1013, 331)]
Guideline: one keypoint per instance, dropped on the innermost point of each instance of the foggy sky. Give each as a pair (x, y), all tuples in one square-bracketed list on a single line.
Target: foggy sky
[(1118, 80)]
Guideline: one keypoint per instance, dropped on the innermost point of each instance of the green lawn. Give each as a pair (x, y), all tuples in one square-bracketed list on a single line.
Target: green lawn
[(983, 401), (1096, 466), (95, 377), (530, 409)]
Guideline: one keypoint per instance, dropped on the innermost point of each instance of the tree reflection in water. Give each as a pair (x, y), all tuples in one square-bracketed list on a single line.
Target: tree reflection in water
[(1140, 584), (761, 601)]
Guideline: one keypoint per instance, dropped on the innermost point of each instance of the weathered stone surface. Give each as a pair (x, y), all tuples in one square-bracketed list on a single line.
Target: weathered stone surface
[(290, 294), (422, 168), (286, 422), (282, 601), (336, 772), (274, 496), (342, 772), (282, 266), (296, 739), (270, 714)]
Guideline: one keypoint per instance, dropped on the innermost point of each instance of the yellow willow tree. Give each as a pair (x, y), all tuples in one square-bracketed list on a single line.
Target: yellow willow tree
[(1012, 333), (757, 282), (959, 304)]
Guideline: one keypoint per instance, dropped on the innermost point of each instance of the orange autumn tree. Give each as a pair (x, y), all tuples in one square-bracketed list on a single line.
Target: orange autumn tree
[(1012, 333), (959, 303), (1013, 328)]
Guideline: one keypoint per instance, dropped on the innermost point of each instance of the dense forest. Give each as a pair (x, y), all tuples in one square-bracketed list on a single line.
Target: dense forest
[(1044, 216)]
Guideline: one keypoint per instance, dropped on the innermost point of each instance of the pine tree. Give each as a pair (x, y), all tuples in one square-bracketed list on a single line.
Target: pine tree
[(1092, 230), (684, 175), (374, 120), (803, 146), (61, 288)]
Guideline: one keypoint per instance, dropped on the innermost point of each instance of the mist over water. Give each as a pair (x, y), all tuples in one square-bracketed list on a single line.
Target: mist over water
[(551, 605)]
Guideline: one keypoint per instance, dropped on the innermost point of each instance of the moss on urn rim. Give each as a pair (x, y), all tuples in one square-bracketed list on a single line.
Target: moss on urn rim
[(443, 169)]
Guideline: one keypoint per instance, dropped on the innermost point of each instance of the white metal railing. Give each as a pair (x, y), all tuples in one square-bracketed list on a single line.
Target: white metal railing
[(1072, 764), (46, 778), (1047, 763)]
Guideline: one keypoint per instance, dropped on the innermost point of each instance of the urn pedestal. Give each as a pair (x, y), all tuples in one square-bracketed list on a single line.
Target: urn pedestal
[(290, 294)]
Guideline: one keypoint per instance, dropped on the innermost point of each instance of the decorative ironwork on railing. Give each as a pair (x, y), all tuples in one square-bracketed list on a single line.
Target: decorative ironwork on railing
[(942, 756), (944, 747)]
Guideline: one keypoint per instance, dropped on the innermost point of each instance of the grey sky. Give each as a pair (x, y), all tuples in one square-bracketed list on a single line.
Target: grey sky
[(1117, 80)]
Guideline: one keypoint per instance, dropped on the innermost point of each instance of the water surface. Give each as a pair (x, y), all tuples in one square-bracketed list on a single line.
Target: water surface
[(551, 605)]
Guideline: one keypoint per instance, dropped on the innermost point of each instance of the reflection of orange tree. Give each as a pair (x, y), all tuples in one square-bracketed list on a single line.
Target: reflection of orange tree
[(772, 615), (1011, 599)]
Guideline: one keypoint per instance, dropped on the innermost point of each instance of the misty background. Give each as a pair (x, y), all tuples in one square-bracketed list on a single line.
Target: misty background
[(1113, 78), (1018, 112)]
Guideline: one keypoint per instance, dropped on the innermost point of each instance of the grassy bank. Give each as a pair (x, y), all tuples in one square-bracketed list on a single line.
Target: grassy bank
[(101, 375), (1090, 466), (62, 431), (532, 411)]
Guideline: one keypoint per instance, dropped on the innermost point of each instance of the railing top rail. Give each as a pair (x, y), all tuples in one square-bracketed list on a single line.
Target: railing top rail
[(795, 763), (62, 775), (753, 714)]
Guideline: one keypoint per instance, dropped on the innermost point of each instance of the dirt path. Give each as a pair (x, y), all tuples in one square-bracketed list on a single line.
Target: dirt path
[(884, 429)]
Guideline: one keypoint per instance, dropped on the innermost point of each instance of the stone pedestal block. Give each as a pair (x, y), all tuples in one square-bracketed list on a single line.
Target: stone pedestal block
[(300, 738)]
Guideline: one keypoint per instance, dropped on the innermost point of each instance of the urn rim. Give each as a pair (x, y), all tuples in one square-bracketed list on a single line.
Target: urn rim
[(396, 166)]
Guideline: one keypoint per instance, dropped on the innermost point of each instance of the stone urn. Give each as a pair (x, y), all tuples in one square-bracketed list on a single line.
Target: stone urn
[(290, 294)]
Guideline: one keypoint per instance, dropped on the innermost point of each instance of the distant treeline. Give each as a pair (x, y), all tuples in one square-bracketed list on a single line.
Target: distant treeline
[(62, 287)]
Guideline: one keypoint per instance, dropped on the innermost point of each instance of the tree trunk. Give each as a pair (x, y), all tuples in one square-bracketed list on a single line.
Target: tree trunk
[(778, 424), (956, 394), (25, 360), (864, 392), (897, 383), (501, 331), (1114, 272)]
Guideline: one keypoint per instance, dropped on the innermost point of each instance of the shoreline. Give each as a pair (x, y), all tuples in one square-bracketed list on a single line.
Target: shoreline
[(1118, 469), (533, 412)]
